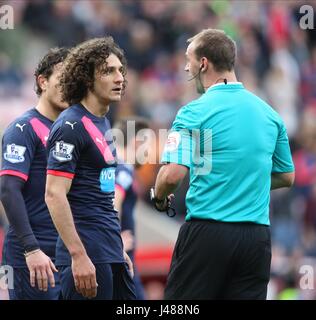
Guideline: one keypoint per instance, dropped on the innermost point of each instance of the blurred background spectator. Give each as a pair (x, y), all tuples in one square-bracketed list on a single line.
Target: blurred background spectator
[(276, 60)]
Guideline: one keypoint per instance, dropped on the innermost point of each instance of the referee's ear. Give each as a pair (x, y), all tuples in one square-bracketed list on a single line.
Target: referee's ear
[(204, 64)]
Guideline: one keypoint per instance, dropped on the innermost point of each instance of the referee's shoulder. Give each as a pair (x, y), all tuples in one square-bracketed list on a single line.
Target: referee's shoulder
[(193, 107), (265, 105), (189, 116)]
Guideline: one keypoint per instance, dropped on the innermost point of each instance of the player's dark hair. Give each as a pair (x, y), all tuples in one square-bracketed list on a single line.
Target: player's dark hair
[(217, 47), (46, 65), (122, 124), (78, 74)]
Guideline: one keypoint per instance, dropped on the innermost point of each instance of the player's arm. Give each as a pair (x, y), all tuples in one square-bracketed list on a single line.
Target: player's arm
[(127, 236), (39, 264), (12, 199), (123, 181), (57, 188), (84, 272), (14, 174), (119, 199)]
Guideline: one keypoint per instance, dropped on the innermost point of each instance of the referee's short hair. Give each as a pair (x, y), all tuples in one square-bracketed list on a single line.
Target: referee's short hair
[(217, 47)]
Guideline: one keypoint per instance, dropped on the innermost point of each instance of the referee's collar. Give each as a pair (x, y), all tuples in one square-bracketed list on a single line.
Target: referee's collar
[(229, 85)]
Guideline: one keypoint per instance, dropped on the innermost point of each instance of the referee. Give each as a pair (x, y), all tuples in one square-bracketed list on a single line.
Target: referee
[(236, 148)]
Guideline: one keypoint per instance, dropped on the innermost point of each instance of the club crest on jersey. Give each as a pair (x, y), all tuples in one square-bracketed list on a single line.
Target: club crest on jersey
[(63, 151), (15, 153), (173, 141)]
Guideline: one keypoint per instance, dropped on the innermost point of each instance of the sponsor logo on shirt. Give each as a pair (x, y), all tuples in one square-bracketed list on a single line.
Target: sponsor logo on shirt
[(15, 153), (63, 151), (173, 141), (107, 179)]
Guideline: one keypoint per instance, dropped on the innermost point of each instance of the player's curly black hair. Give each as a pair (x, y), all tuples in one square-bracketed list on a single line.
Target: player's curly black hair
[(46, 65), (78, 73)]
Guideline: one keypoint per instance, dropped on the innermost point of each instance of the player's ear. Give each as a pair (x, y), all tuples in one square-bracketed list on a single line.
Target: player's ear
[(42, 82)]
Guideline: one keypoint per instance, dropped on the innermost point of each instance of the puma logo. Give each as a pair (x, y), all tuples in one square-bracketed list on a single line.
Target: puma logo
[(71, 124), (20, 126), (99, 141)]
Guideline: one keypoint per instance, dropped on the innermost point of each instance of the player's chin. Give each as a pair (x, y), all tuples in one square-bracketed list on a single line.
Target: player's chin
[(116, 97)]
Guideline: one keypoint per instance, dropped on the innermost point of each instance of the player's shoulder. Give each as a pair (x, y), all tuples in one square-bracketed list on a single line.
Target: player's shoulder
[(69, 119), (22, 124), (74, 112), (68, 128), (24, 118)]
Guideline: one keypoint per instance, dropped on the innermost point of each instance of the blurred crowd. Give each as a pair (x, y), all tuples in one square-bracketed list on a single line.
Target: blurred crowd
[(276, 61)]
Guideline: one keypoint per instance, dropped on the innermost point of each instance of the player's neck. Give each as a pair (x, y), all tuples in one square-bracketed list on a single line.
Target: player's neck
[(46, 110), (95, 106)]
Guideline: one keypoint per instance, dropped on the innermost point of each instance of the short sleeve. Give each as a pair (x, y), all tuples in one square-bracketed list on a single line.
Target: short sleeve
[(18, 149), (282, 158), (64, 147), (181, 143)]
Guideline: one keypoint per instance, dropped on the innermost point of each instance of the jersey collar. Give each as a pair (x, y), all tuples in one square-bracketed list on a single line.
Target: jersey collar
[(229, 85)]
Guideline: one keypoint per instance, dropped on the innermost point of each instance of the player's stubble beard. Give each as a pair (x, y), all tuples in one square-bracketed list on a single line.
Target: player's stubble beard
[(104, 99)]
